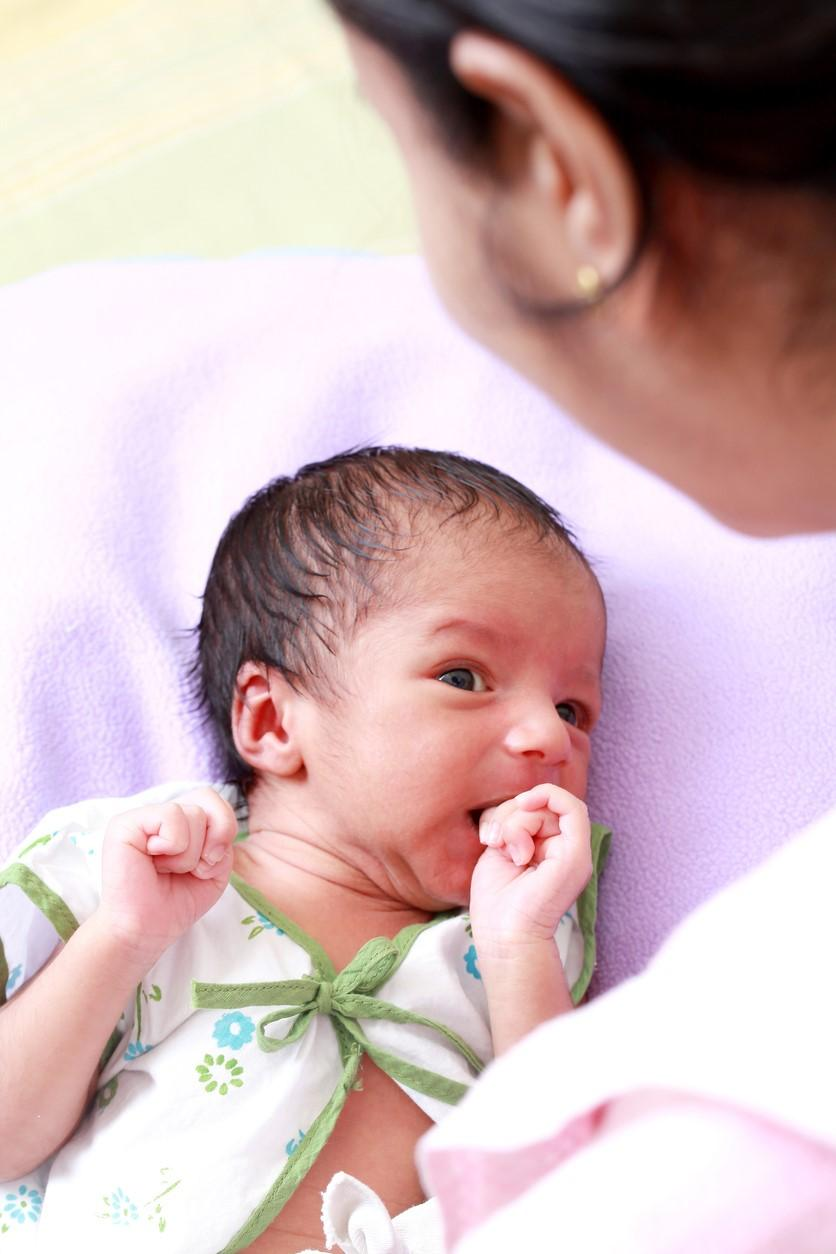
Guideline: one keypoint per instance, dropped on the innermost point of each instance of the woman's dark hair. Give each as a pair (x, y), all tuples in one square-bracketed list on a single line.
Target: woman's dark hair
[(308, 556), (743, 89)]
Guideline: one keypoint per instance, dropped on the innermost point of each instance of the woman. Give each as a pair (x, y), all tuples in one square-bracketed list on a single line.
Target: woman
[(633, 203)]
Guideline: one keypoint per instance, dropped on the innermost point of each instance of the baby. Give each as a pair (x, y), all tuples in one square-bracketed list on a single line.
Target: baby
[(401, 653)]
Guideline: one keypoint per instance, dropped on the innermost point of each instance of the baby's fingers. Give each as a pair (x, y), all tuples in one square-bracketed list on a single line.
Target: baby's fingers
[(515, 831), (571, 811), (151, 829), (490, 833), (178, 844), (219, 870), (519, 842), (221, 829)]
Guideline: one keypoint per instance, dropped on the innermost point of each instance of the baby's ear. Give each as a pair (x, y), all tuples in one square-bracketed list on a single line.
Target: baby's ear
[(264, 721)]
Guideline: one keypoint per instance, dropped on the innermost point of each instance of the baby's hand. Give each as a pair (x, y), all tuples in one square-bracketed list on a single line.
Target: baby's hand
[(537, 862), (164, 866)]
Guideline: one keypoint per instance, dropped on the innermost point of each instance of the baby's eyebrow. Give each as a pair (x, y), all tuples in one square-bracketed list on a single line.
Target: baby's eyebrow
[(471, 627), (585, 674)]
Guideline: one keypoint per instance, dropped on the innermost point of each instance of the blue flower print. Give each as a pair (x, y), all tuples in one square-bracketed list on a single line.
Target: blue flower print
[(14, 976), (293, 1145), (121, 1210), (262, 924), (24, 1204), (470, 962), (136, 1049), (74, 841), (234, 1029)]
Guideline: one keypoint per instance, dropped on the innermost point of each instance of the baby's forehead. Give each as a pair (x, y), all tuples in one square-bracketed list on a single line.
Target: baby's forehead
[(470, 543), (448, 573), (528, 599)]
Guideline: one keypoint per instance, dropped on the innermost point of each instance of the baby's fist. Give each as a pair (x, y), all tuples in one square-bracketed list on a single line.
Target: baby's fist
[(537, 862), (164, 865), (532, 816), (193, 834)]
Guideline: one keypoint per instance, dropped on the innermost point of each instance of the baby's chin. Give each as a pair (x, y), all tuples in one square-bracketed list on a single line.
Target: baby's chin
[(459, 901), (453, 891)]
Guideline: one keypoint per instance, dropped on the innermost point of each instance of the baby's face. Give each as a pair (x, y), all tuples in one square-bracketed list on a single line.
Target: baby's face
[(481, 680)]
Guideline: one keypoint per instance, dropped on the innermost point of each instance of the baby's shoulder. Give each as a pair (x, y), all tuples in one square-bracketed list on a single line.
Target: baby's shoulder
[(88, 819), (53, 881)]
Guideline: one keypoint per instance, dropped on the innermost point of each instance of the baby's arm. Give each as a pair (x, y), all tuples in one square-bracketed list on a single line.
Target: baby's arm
[(537, 862), (163, 867)]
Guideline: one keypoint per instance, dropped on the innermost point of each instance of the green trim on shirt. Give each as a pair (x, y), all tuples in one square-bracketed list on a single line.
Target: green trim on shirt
[(44, 899), (4, 974), (48, 902), (588, 908), (345, 997), (323, 965)]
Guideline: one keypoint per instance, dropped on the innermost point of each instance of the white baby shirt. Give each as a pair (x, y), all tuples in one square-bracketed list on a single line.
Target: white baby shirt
[(227, 1071)]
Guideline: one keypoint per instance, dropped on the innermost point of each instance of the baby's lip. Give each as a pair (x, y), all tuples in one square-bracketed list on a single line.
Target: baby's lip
[(478, 811), (523, 786)]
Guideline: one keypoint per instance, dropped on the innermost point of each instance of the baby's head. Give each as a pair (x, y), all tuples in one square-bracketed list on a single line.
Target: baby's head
[(359, 579)]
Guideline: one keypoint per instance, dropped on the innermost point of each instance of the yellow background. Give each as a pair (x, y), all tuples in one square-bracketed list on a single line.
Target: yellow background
[(188, 127)]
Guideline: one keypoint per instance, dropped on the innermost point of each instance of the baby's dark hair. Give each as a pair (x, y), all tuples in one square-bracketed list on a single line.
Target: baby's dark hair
[(306, 558)]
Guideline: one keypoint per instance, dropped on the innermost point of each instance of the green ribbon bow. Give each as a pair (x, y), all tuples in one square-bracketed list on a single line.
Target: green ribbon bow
[(345, 997)]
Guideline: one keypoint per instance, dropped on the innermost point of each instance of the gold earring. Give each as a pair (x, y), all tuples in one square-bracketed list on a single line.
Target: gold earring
[(588, 281)]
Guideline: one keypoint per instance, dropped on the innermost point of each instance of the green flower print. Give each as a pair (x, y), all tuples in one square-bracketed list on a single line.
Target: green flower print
[(262, 924), (40, 840), (219, 1073), (156, 994), (155, 1214), (120, 1209)]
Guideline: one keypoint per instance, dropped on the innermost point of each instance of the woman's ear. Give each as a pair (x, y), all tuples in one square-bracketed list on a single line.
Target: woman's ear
[(564, 165), (264, 723)]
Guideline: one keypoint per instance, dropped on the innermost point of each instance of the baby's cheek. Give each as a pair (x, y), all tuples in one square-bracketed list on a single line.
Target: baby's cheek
[(575, 776)]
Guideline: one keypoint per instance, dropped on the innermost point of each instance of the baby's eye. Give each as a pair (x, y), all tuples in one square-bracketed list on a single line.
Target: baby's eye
[(463, 677), (568, 712)]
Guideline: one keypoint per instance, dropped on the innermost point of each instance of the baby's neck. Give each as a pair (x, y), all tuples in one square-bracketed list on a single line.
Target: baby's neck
[(328, 896)]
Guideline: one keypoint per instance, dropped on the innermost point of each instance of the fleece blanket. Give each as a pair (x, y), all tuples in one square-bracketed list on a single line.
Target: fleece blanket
[(141, 403)]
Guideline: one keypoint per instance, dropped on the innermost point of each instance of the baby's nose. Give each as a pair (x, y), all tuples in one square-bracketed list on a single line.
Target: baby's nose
[(540, 734)]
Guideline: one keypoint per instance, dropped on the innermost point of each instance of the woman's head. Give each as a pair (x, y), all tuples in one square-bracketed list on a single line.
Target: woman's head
[(745, 90), (633, 203)]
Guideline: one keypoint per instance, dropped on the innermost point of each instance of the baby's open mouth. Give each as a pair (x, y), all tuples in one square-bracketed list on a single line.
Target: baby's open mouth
[(475, 816)]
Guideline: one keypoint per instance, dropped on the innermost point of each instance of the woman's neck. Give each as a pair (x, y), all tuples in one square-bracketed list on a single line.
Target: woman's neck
[(725, 408)]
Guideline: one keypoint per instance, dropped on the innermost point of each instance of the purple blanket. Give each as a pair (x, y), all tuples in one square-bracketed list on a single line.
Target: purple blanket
[(142, 402)]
